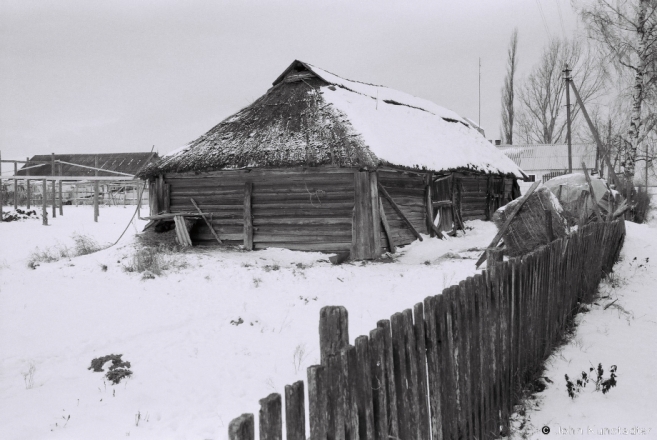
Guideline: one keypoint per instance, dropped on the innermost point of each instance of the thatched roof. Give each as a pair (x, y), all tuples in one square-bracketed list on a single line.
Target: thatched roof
[(311, 117), (129, 163)]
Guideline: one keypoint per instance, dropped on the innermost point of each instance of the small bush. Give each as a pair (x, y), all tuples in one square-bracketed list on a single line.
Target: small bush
[(117, 371), (153, 261), (601, 384), (85, 245)]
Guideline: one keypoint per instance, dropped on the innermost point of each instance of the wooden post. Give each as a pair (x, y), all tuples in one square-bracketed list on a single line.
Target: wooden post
[(54, 188), (61, 193), (44, 209), (295, 412), (333, 331), (386, 228), (15, 186), (242, 428), (548, 226), (428, 203), (270, 418), (317, 403), (494, 259), (96, 210), (363, 388), (248, 217), (28, 193), (596, 208), (75, 194)]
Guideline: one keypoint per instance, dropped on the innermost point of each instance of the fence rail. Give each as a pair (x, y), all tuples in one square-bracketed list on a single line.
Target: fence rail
[(450, 367)]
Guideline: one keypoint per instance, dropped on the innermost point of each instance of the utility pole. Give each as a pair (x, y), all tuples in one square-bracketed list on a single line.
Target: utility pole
[(479, 93), (570, 147)]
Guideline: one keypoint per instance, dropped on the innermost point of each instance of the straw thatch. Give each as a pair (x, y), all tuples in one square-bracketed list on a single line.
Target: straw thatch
[(311, 117), (528, 229)]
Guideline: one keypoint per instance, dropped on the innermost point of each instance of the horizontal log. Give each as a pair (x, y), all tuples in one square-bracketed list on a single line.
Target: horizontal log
[(301, 213), (304, 230), (275, 238), (230, 199), (200, 235), (317, 247), (232, 179), (318, 221), (190, 189)]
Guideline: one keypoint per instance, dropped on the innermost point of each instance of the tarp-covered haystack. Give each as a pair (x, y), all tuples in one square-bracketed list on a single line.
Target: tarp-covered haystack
[(573, 193), (528, 228)]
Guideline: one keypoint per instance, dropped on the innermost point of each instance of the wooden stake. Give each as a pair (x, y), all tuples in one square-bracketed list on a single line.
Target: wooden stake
[(548, 226), (15, 186), (333, 331), (61, 197), (270, 417), (242, 428), (521, 201), (206, 221)]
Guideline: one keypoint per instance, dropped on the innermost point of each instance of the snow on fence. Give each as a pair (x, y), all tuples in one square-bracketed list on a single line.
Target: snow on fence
[(451, 367)]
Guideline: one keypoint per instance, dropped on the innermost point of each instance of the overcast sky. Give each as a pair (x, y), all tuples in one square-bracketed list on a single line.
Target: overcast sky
[(124, 75)]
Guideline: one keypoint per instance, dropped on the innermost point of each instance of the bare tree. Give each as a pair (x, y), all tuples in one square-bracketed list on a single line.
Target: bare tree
[(542, 116), (627, 33), (508, 90)]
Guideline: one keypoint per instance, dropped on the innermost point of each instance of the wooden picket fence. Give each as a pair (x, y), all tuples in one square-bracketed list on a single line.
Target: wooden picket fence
[(451, 367)]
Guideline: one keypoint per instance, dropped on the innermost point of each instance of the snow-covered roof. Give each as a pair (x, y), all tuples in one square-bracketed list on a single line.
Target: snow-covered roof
[(312, 117)]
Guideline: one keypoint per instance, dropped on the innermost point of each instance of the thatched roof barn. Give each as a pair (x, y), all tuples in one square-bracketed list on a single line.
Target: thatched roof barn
[(321, 153)]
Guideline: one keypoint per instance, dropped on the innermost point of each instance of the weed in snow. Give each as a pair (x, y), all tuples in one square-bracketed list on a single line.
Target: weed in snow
[(83, 245), (601, 384), (298, 357), (152, 261), (28, 376)]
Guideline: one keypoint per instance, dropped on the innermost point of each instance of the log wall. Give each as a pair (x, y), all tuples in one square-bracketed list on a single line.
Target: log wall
[(302, 209)]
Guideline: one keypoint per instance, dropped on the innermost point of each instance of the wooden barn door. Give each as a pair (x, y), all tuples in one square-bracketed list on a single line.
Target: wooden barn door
[(366, 228)]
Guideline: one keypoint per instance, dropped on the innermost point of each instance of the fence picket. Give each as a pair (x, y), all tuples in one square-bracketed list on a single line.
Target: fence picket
[(270, 418), (295, 412), (422, 386), (317, 403)]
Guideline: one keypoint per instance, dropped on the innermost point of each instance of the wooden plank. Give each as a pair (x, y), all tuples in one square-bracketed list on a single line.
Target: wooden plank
[(317, 402), (375, 248), (506, 224), (363, 389), (242, 428), (363, 244), (333, 331), (386, 229), (452, 403), (402, 377), (316, 247), (248, 217), (433, 345), (392, 410), (385, 194), (270, 418), (419, 329), (335, 398), (378, 385), (182, 231), (295, 412)]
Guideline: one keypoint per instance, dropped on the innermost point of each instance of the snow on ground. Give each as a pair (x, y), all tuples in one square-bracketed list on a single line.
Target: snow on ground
[(619, 330), (219, 330)]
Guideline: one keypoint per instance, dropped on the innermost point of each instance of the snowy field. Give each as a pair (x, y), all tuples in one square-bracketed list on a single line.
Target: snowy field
[(217, 331)]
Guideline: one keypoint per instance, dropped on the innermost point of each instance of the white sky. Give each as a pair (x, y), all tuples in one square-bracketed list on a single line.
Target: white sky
[(113, 76)]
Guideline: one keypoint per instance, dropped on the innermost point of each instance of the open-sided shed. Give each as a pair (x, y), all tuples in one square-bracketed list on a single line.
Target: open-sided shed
[(327, 164)]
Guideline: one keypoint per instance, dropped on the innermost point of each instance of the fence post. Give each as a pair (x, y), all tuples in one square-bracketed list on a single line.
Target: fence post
[(494, 259), (317, 403), (28, 187), (295, 412), (270, 418), (242, 428), (44, 209), (333, 331), (61, 193), (54, 188), (15, 186)]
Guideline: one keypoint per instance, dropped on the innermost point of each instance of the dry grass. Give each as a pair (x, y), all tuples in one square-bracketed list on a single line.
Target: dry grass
[(152, 261), (83, 245)]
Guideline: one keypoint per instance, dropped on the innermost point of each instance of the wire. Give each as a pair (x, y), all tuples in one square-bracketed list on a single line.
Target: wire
[(563, 28), (540, 10)]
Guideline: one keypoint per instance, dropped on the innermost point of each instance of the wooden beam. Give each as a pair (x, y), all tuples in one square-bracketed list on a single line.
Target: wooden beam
[(15, 186), (54, 190), (386, 228), (521, 201), (248, 217), (385, 194), (596, 208), (206, 222), (94, 168), (182, 233), (61, 194)]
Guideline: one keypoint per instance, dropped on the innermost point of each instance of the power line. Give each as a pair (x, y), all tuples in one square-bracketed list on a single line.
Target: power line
[(540, 10), (563, 29)]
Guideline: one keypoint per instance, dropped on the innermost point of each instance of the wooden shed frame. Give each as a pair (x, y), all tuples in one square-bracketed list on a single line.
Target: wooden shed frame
[(363, 212)]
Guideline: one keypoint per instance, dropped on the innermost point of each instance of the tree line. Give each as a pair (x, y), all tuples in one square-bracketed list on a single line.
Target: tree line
[(616, 63)]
